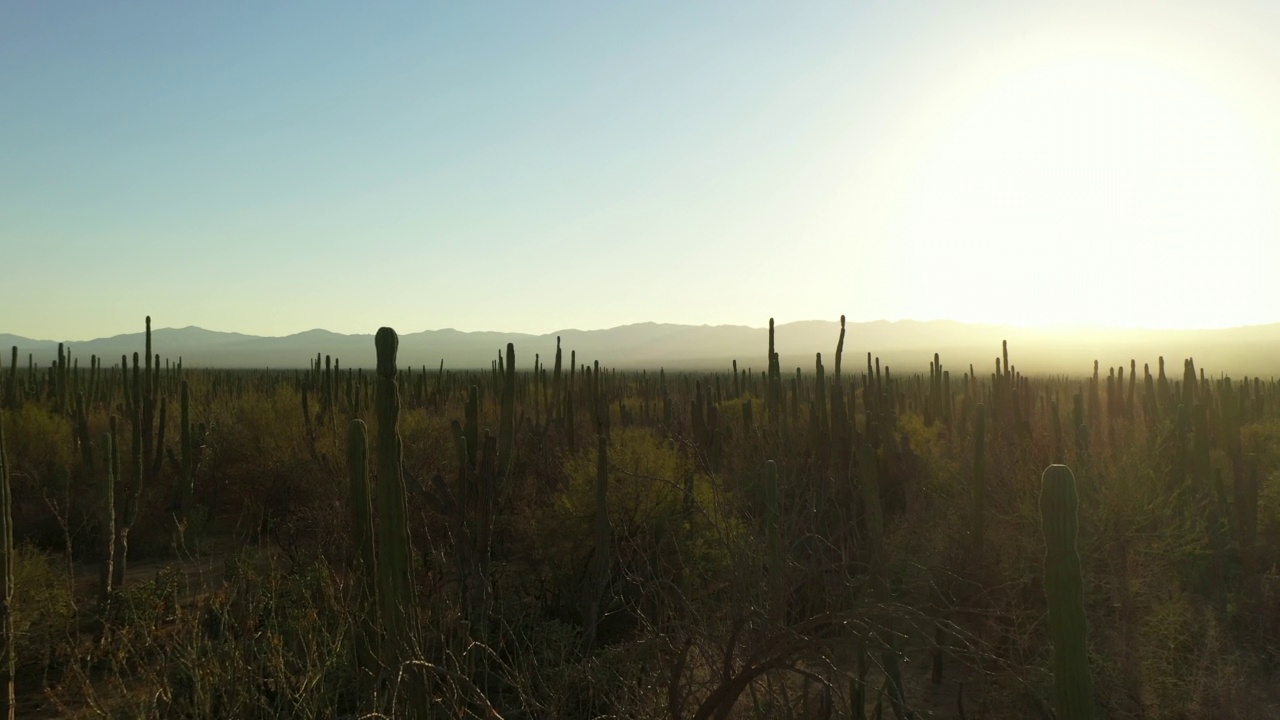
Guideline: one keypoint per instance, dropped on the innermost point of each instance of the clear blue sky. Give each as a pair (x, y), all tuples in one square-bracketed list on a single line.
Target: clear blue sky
[(274, 167)]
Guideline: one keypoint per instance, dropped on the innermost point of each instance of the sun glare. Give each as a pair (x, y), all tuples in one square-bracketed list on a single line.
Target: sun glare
[(1096, 186)]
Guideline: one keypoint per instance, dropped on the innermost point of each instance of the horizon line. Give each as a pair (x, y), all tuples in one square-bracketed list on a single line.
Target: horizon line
[(1057, 327)]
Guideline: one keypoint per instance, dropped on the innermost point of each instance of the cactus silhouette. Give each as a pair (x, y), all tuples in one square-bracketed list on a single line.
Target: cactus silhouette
[(1064, 587), (396, 596)]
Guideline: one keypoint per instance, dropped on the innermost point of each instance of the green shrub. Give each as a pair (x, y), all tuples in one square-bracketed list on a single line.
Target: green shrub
[(43, 611), (660, 530)]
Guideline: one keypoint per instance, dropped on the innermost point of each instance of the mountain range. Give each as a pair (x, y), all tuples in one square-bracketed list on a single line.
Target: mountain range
[(906, 345)]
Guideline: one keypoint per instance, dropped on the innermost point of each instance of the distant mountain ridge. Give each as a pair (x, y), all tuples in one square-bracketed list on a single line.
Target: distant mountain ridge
[(906, 344)]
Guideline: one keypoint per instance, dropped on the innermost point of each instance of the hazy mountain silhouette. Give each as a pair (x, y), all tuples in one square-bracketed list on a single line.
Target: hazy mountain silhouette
[(905, 345)]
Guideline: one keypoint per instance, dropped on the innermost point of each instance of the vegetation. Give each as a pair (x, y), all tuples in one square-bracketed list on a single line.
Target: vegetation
[(579, 542)]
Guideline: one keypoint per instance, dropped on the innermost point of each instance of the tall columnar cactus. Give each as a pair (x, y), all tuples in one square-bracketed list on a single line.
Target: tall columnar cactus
[(507, 420), (822, 438), (1133, 389), (934, 404), (7, 706), (535, 389), (839, 353), (1189, 382), (60, 380), (1064, 587), (148, 400), (599, 405), (326, 395), (556, 407), (774, 392), (395, 584), (92, 389), (1163, 389), (948, 400)]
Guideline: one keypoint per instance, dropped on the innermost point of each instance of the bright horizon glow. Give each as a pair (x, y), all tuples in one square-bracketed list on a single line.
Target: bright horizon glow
[(269, 170)]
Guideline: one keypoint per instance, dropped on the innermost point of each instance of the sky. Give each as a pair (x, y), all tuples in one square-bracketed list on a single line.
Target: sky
[(270, 168)]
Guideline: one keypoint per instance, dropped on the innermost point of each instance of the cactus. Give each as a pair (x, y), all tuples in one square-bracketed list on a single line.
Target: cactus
[(94, 366), (556, 407), (148, 401), (1189, 382), (507, 420), (839, 352), (1132, 397), (774, 393), (326, 395), (60, 381), (1064, 587), (536, 390), (397, 603), (7, 705), (933, 406)]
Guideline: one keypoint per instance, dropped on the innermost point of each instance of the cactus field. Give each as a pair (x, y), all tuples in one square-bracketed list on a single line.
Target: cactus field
[(552, 538)]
